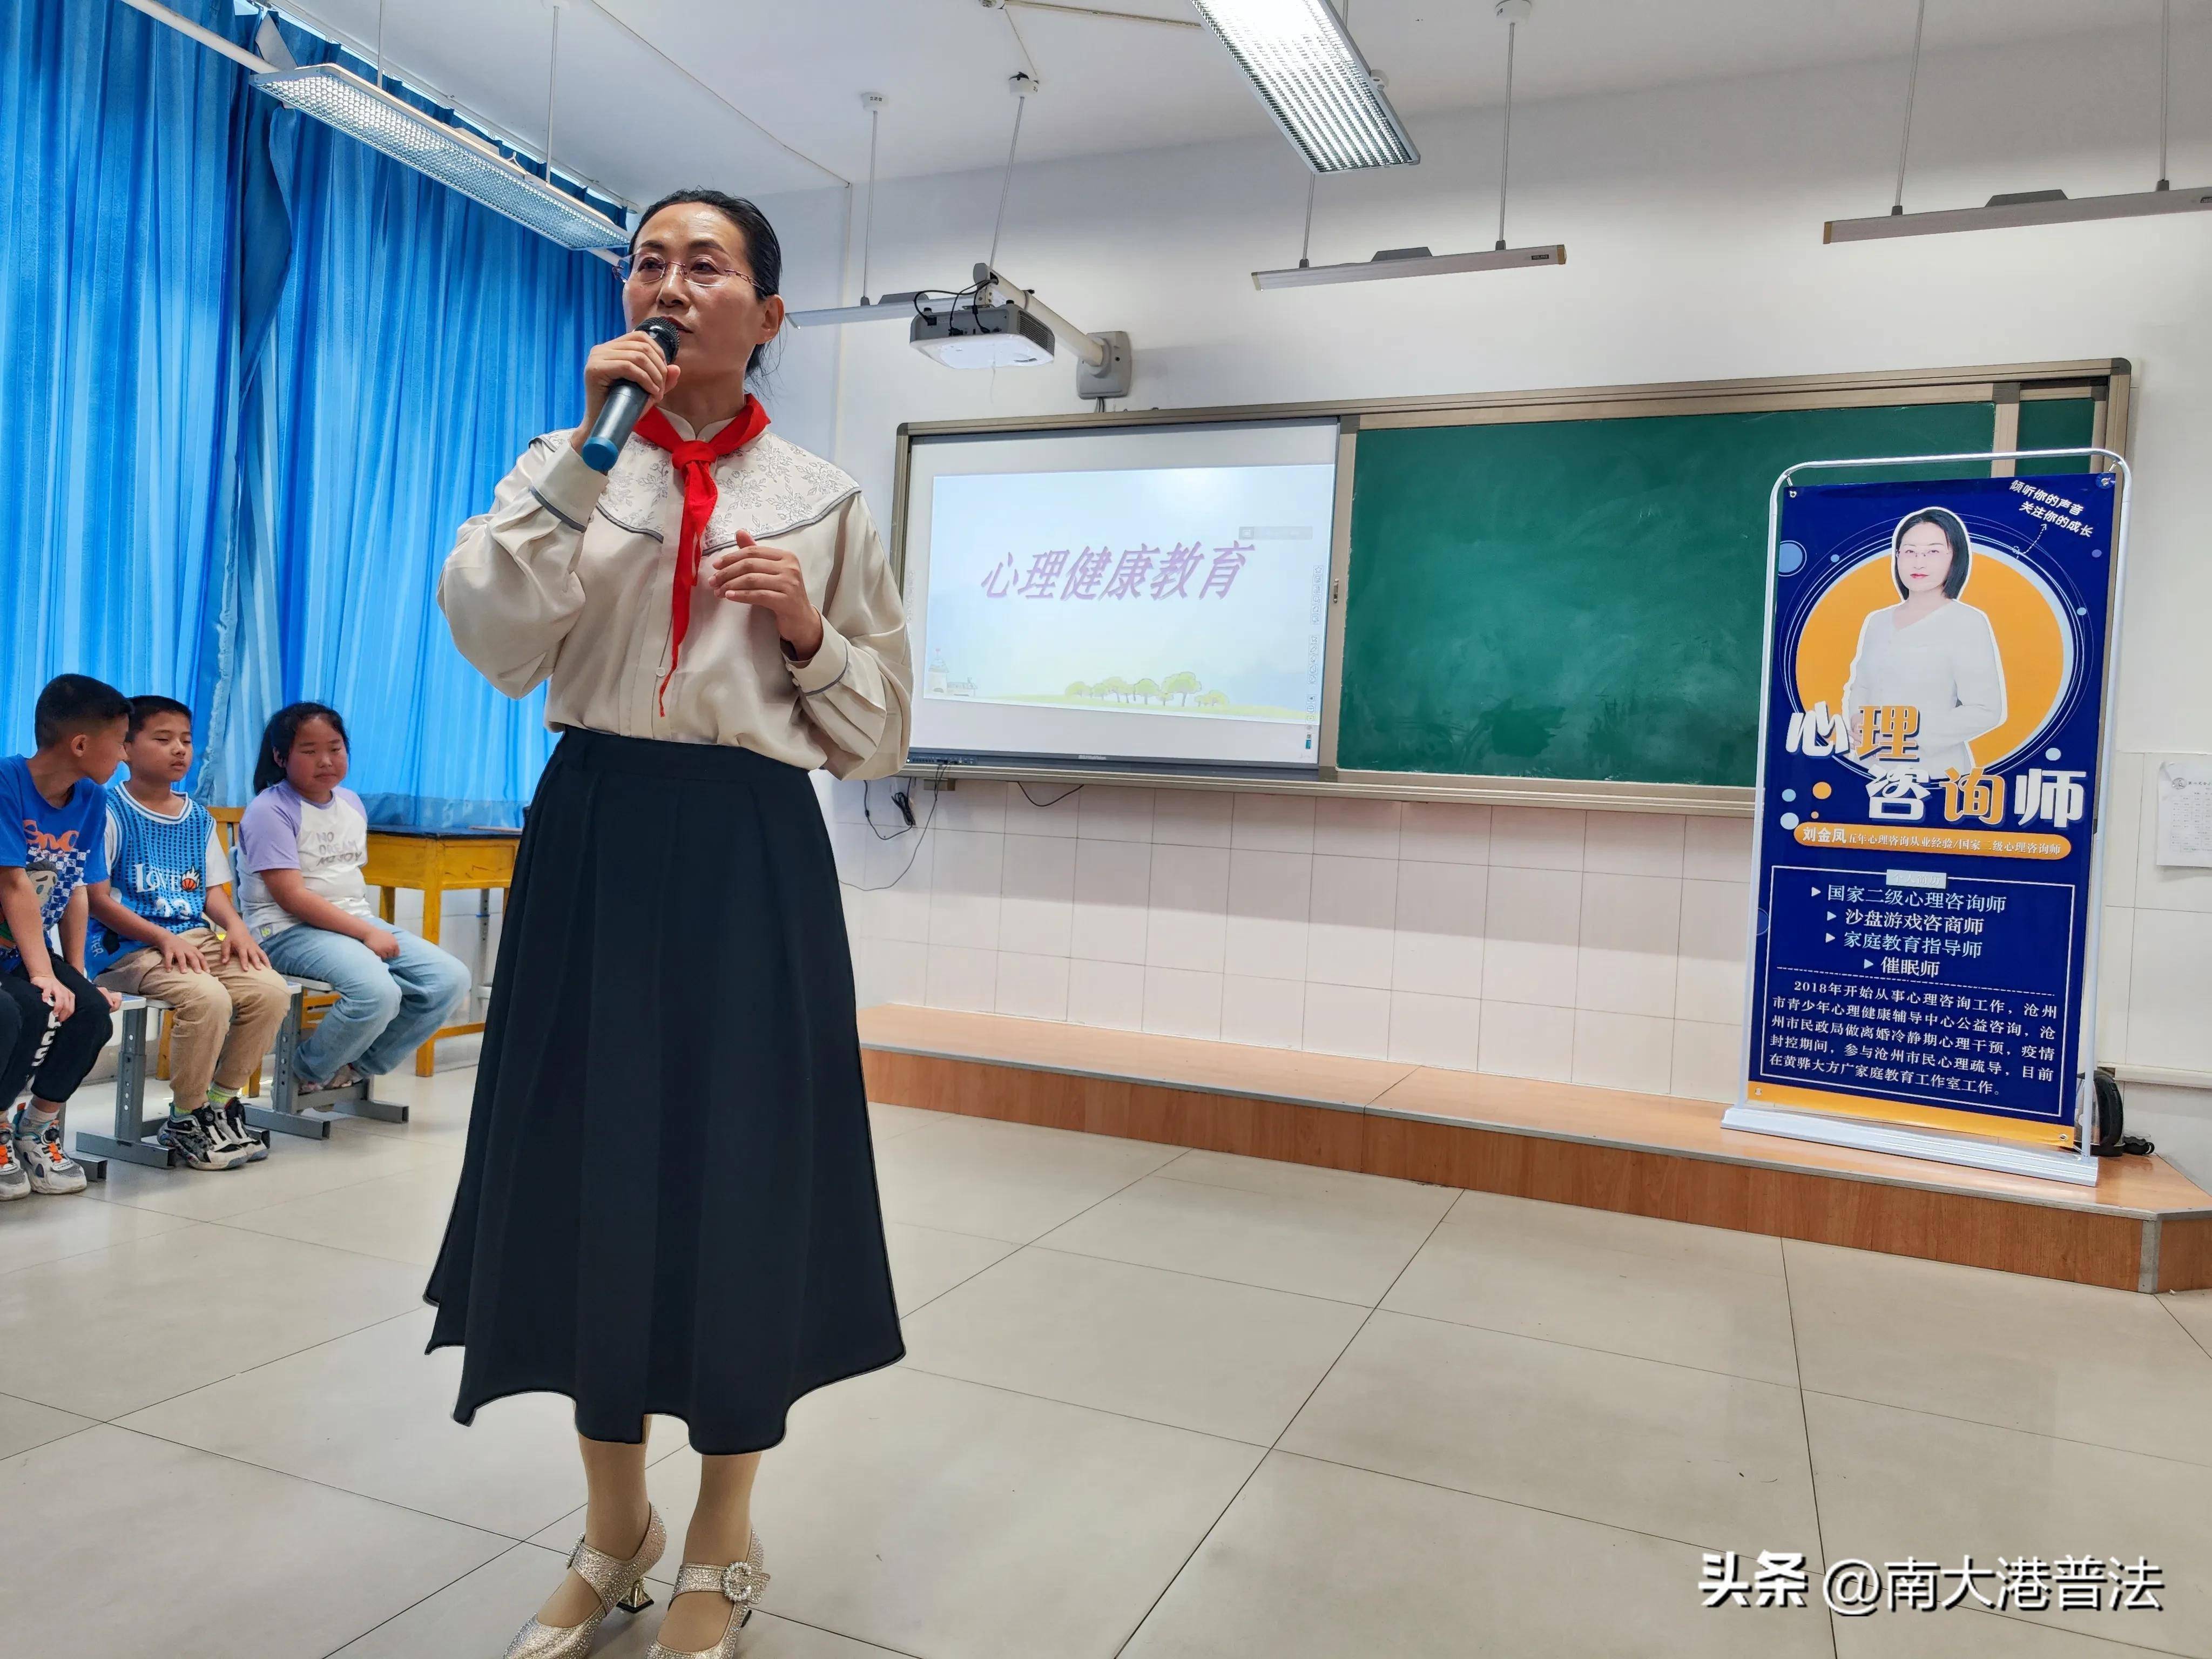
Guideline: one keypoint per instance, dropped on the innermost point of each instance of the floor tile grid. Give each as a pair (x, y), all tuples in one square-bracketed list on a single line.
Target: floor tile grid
[(1805, 1427), (1200, 1543), (2194, 1335)]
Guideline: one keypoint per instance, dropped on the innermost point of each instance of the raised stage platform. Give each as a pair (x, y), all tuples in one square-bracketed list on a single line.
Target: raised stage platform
[(2145, 1226)]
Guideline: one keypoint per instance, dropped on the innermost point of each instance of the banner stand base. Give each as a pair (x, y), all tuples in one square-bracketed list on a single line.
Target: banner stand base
[(2006, 1157)]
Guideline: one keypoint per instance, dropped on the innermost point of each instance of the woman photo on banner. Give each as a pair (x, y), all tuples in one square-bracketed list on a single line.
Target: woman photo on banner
[(1926, 680)]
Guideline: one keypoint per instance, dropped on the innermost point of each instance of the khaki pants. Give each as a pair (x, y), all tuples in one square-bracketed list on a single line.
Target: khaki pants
[(226, 1018)]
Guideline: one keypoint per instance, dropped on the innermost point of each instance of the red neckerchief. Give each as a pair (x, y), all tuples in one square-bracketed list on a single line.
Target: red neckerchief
[(695, 461)]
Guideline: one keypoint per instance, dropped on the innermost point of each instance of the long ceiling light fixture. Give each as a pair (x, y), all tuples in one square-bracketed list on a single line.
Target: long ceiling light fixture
[(2027, 207), (1302, 62), (1396, 262), (454, 157)]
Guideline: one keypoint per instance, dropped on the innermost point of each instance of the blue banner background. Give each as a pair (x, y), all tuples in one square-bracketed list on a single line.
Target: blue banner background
[(1959, 985)]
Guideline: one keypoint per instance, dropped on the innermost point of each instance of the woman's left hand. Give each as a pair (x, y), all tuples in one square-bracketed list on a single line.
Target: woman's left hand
[(771, 577)]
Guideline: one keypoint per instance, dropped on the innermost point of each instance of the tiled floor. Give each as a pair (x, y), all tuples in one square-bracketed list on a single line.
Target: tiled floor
[(1158, 1403)]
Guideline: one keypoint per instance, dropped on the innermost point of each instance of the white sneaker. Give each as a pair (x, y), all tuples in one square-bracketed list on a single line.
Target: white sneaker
[(52, 1170), (234, 1119), (196, 1138), (15, 1179)]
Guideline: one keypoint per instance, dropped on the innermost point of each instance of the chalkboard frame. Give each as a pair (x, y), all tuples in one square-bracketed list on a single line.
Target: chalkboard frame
[(2109, 382)]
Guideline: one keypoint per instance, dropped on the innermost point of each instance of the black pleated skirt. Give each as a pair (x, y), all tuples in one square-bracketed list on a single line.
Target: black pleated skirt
[(668, 1204)]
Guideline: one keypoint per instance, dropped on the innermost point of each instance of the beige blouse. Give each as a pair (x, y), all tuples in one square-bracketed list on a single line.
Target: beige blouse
[(568, 579)]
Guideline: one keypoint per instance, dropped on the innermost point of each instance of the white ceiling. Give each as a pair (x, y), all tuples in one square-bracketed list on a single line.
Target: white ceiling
[(657, 93)]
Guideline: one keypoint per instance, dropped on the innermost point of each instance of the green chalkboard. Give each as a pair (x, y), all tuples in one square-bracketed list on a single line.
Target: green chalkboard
[(1581, 600), (2057, 423)]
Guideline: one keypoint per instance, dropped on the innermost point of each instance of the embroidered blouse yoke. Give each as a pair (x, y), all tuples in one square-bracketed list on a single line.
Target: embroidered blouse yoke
[(568, 579)]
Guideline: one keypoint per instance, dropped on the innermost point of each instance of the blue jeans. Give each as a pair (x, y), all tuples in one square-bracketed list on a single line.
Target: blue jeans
[(385, 1009)]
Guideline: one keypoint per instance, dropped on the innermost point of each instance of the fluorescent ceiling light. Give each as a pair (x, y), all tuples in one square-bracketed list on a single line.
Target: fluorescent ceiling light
[(2039, 207), (343, 100), (1301, 61), (1410, 261), (891, 304)]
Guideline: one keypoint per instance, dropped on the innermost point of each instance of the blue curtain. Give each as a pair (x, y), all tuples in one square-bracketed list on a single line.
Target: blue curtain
[(283, 369), (120, 351)]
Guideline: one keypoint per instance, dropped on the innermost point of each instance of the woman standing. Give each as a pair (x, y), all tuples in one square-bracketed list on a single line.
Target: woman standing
[(669, 1201)]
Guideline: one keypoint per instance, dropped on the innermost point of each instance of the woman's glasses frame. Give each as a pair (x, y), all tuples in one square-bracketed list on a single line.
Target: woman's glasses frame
[(652, 270)]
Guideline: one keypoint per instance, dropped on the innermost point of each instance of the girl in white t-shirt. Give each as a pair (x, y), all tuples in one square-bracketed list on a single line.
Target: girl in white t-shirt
[(302, 844)]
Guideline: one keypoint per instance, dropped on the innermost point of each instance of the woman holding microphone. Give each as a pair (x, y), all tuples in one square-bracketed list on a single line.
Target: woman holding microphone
[(669, 1204)]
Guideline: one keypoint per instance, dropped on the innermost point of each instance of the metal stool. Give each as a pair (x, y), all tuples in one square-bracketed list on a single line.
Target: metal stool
[(287, 1100)]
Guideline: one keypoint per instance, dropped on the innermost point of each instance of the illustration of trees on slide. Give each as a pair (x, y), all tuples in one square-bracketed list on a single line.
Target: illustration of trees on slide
[(1183, 687)]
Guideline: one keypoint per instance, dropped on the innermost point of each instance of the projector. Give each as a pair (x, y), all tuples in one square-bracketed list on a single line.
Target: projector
[(984, 337)]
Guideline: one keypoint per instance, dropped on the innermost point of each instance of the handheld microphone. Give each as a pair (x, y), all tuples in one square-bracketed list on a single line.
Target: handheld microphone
[(626, 401)]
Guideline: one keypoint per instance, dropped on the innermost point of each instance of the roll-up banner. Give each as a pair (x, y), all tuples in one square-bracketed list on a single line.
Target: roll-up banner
[(1923, 944)]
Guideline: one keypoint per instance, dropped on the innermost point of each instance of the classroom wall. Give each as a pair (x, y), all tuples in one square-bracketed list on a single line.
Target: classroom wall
[(1691, 217)]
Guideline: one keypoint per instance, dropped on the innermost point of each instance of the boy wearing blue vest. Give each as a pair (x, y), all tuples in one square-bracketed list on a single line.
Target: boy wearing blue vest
[(165, 927)]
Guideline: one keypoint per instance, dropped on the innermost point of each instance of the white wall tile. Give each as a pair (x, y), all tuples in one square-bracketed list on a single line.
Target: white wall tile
[(1269, 896), (1445, 832), (2116, 947), (894, 970), (1178, 1002), (848, 844), (1193, 817), (896, 876), (2158, 888), (2169, 990), (1356, 828), (1532, 924), (1036, 898), (1112, 888), (1522, 1040), (963, 903), (971, 804), (1355, 902), (1708, 1062), (1108, 812), (2124, 799), (1273, 823), (1110, 993), (1434, 1030), (1717, 849), (1631, 929), (1633, 843), (1537, 838), (845, 798), (1187, 923), (1032, 987), (1043, 808), (1624, 1051), (1347, 1020), (962, 978), (1267, 1012), (1437, 947), (1708, 976)]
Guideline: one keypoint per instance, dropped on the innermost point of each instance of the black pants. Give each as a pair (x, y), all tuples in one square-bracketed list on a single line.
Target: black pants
[(52, 1058)]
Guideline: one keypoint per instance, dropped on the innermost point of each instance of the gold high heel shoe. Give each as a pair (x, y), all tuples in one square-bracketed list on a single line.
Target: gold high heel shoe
[(740, 1582), (617, 1583)]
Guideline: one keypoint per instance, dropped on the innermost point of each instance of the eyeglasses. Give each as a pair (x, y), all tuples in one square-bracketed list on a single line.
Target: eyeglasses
[(651, 271)]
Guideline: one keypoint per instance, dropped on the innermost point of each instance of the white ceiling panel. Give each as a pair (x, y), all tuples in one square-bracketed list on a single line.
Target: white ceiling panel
[(765, 94)]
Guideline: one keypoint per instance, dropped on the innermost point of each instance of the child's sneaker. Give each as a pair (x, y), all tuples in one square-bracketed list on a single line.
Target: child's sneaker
[(52, 1170), (199, 1139), (234, 1119), (15, 1180)]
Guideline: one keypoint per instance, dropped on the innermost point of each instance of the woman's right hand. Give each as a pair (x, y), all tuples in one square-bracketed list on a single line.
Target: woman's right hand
[(635, 357)]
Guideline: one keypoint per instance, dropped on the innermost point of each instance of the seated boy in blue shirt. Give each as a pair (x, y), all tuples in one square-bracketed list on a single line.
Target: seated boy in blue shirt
[(53, 835)]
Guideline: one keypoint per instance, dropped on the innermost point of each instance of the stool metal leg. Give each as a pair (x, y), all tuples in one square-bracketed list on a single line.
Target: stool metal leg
[(283, 1112), (130, 1142)]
